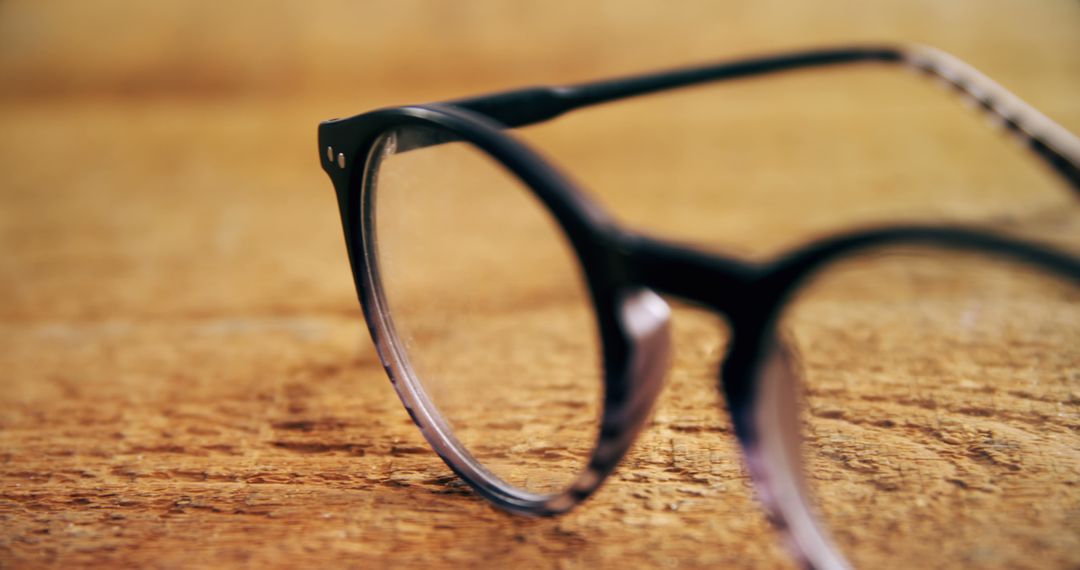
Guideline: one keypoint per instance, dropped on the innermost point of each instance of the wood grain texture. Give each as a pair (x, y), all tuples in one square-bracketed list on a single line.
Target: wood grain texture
[(185, 379)]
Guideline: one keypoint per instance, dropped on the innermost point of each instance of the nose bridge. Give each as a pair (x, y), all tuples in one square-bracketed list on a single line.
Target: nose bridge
[(690, 274)]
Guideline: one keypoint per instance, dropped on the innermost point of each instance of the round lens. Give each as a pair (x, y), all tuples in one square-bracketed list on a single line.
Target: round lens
[(488, 311), (941, 419)]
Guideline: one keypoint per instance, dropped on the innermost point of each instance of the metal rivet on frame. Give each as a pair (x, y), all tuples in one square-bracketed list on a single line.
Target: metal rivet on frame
[(330, 153), (341, 160)]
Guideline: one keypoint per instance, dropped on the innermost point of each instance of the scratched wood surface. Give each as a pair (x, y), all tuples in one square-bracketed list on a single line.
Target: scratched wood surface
[(185, 378)]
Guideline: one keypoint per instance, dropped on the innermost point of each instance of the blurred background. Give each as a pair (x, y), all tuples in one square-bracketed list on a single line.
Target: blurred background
[(139, 138), (177, 312), (433, 49)]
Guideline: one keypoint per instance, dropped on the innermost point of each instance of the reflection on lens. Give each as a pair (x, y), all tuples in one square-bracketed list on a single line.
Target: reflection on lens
[(941, 422), (489, 304)]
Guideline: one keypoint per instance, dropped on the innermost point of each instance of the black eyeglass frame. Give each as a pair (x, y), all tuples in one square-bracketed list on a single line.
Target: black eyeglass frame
[(626, 271)]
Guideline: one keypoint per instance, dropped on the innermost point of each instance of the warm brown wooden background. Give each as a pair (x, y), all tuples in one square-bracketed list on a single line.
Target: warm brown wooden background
[(184, 375)]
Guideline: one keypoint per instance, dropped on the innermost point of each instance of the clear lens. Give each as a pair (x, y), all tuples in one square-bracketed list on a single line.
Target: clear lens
[(488, 306), (941, 425)]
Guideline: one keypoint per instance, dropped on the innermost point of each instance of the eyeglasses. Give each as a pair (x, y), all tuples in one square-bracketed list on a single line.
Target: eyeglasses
[(902, 395)]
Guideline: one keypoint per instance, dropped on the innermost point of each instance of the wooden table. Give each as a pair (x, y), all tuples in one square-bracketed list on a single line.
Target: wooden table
[(185, 379)]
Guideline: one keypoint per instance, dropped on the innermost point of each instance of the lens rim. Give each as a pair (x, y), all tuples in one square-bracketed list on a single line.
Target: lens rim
[(632, 321), (771, 442), (385, 145)]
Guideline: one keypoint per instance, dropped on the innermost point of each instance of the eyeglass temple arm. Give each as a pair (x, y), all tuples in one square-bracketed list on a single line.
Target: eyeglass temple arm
[(1049, 141)]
